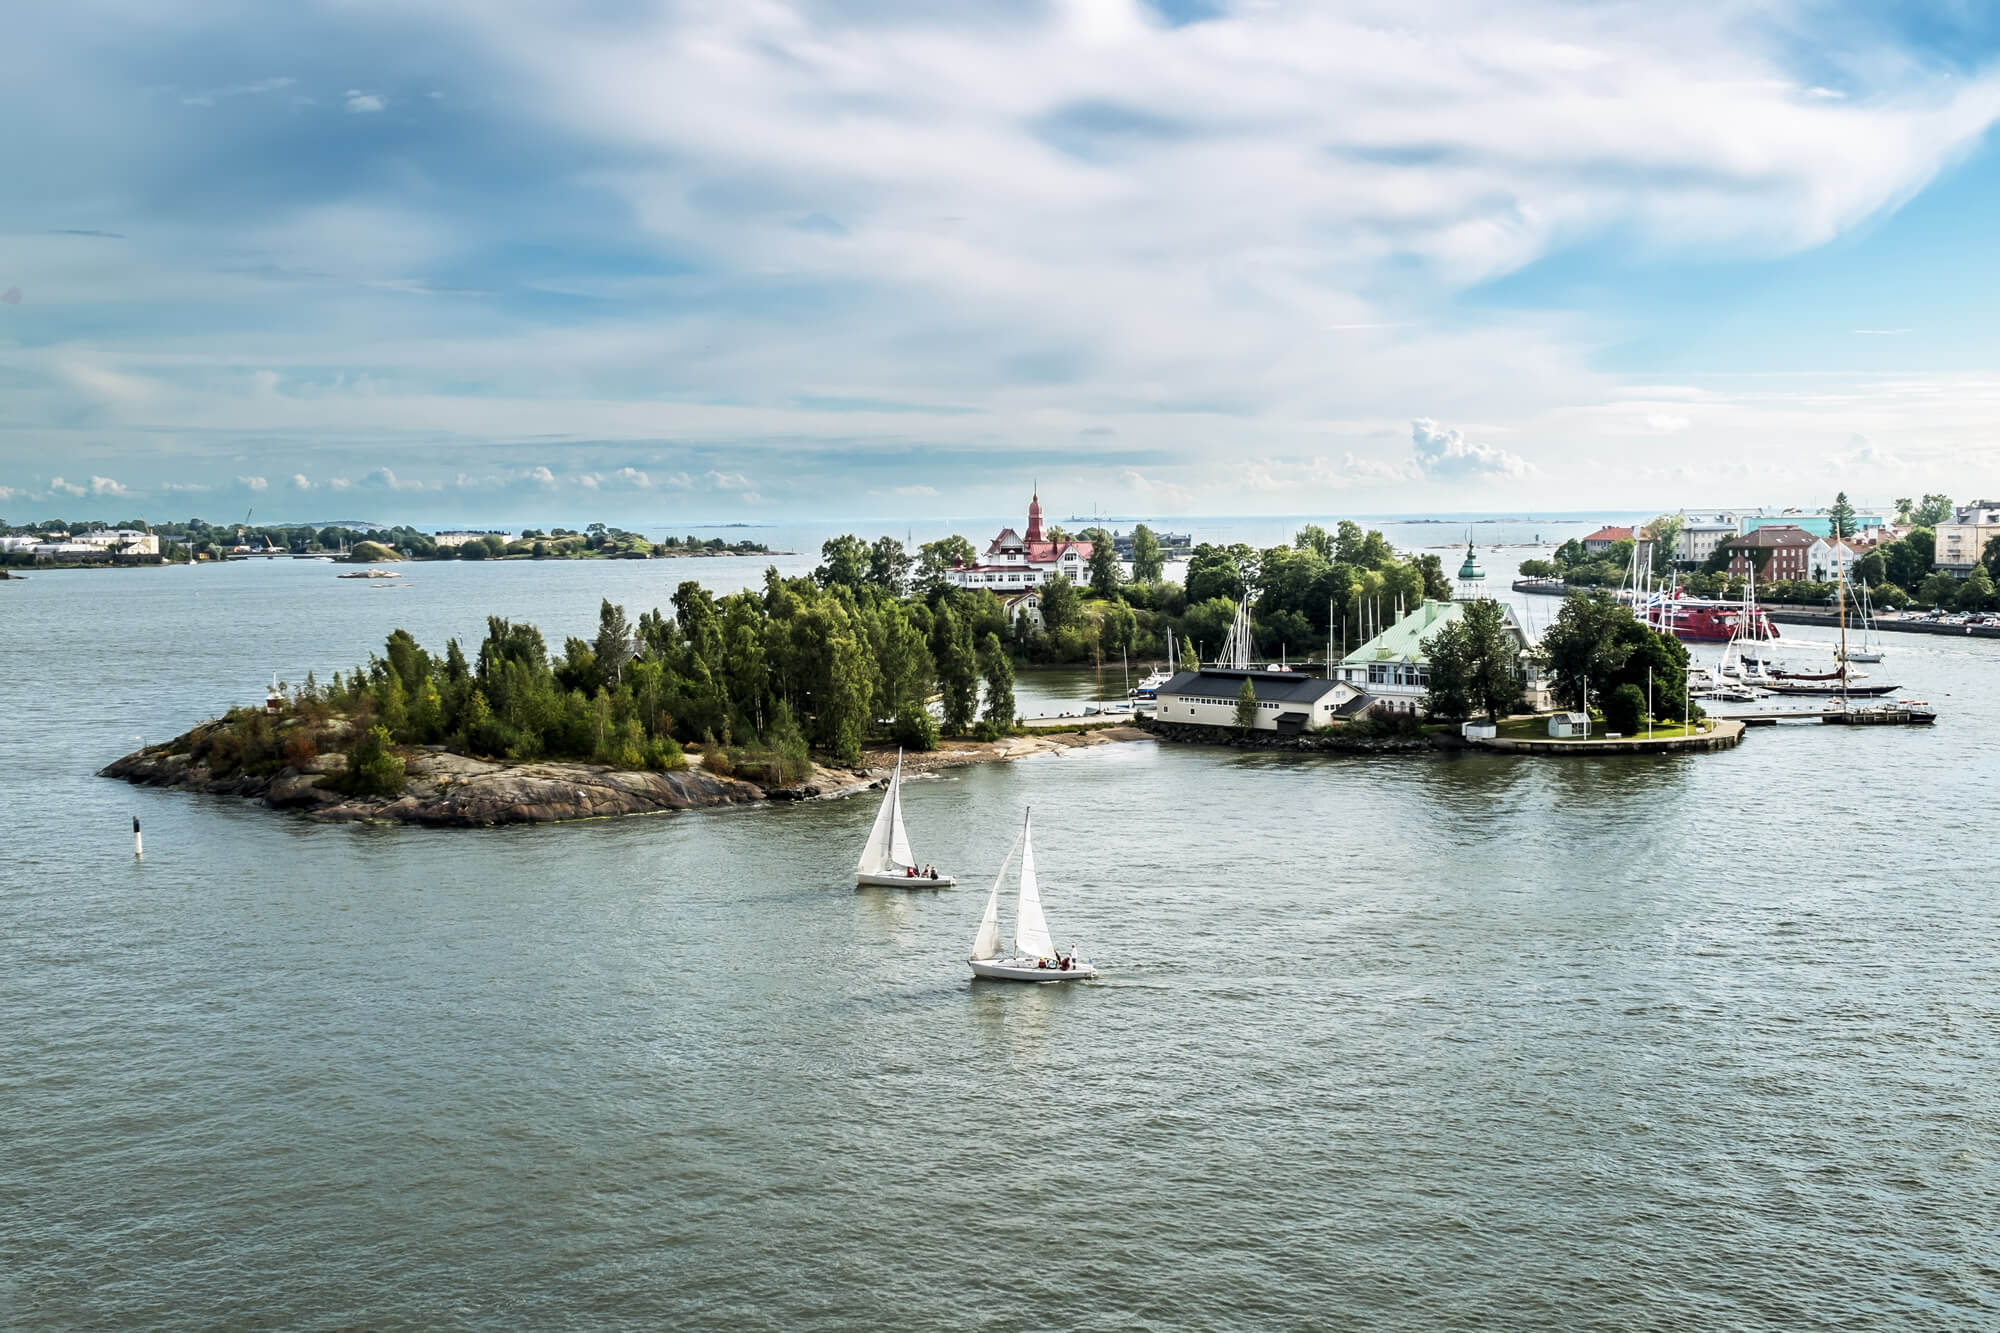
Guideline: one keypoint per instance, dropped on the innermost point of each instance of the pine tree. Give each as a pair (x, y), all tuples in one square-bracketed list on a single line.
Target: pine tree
[(1841, 516), (999, 673)]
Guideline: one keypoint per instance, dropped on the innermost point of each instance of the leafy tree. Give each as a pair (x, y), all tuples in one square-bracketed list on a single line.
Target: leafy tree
[(1474, 665), (957, 669), (1214, 571), (1990, 557), (1666, 534), (915, 729), (935, 560), (1905, 508), (1910, 559), (1437, 587), (1246, 705), (1583, 648), (1938, 589), (889, 566), (844, 562), (1117, 630), (373, 767), (1105, 571), (1312, 537), (1538, 569), (1625, 709), (1062, 605), (1571, 553), (1841, 516), (999, 673), (1872, 569), (1189, 660), (1976, 593), (1147, 564), (1934, 510)]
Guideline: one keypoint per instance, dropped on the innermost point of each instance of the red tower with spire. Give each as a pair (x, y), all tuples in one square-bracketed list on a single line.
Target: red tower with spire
[(1034, 533)]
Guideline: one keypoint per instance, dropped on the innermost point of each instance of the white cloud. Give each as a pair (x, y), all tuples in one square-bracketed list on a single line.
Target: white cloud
[(57, 486), (1443, 451), (1666, 423), (341, 484), (541, 476), (362, 103), (106, 486), (8, 493), (730, 481), (300, 482), (382, 479), (632, 477), (915, 492), (253, 483)]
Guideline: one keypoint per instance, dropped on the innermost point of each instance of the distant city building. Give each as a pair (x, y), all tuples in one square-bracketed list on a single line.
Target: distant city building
[(1831, 558), (460, 536), (1788, 553), (1602, 540), (1701, 534), (1287, 701), (1016, 563), (1818, 522), (1961, 542), (1173, 545), (104, 544)]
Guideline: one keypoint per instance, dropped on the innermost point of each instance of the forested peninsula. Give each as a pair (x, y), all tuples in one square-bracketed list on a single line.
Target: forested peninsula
[(768, 691)]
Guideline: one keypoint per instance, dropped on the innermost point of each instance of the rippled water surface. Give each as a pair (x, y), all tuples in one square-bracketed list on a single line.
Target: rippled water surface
[(1445, 1042)]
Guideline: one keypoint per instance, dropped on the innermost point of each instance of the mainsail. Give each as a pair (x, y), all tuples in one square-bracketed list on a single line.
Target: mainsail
[(888, 848), (1031, 928), (899, 837)]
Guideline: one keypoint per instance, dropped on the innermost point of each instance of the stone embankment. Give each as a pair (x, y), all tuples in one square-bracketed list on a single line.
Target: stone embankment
[(449, 790), (1342, 741)]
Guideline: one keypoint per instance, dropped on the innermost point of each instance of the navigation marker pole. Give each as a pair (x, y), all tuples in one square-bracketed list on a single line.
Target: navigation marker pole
[(138, 842)]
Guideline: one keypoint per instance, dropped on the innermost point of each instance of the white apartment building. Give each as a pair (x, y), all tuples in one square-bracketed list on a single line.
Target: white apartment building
[(1961, 542)]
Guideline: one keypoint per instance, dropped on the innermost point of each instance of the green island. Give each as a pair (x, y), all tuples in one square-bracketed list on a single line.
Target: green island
[(794, 688), (59, 543)]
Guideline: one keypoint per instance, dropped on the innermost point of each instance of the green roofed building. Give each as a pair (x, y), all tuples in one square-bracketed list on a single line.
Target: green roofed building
[(1391, 668)]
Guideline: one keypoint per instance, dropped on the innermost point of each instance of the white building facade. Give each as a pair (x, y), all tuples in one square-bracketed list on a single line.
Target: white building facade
[(1962, 542)]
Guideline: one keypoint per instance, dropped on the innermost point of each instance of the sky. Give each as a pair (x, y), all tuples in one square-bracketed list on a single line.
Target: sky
[(653, 263)]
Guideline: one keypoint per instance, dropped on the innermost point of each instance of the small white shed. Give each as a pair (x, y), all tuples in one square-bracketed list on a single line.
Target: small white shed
[(1569, 726)]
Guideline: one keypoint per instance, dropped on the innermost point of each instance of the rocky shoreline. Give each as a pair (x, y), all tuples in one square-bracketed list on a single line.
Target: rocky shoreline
[(446, 790)]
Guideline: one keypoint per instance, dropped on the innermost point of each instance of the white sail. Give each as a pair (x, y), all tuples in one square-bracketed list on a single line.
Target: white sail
[(986, 944), (875, 857), (1031, 928), (899, 837)]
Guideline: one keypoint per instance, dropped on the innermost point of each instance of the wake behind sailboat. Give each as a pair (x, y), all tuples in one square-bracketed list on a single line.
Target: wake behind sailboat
[(1034, 957), (887, 862)]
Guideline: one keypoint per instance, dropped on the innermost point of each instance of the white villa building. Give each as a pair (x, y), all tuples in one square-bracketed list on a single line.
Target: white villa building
[(1015, 563)]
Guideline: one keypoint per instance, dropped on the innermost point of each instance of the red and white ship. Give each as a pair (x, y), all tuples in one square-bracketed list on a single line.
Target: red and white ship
[(1699, 621)]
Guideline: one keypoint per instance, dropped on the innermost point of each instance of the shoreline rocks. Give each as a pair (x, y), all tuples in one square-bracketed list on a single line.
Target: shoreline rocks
[(446, 790)]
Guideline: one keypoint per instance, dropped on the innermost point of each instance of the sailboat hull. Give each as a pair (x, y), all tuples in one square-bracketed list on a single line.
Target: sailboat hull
[(1025, 969), (866, 880)]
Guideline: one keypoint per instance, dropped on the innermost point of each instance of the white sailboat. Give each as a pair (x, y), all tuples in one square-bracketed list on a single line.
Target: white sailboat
[(1034, 957), (1870, 650), (887, 862)]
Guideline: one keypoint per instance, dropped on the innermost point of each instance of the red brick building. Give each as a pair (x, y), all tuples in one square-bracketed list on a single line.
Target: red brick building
[(1787, 559)]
